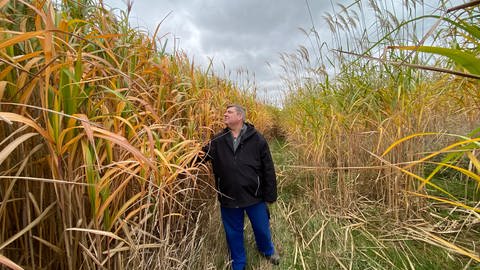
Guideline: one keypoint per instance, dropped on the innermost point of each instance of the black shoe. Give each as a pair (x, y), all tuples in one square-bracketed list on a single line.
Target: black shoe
[(274, 258)]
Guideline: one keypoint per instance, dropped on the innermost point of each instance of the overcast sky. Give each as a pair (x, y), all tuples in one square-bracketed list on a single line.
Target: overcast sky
[(240, 35)]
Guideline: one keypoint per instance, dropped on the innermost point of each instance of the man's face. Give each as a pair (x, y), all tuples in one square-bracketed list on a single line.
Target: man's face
[(231, 116)]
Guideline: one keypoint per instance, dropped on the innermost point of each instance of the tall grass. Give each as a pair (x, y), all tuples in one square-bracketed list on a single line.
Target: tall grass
[(451, 166), (342, 121), (350, 99), (100, 130)]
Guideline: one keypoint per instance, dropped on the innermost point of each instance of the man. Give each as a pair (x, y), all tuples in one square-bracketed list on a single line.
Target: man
[(245, 180)]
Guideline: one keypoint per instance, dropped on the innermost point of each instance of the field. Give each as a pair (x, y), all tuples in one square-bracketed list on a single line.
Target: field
[(376, 147)]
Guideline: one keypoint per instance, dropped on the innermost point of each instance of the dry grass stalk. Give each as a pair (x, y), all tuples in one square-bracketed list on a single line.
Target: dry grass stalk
[(100, 133)]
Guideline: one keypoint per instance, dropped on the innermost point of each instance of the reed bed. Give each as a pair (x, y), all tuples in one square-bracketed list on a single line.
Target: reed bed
[(364, 111), (100, 133)]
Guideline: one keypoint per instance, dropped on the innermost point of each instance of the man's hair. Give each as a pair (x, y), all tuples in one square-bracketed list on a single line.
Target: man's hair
[(239, 110)]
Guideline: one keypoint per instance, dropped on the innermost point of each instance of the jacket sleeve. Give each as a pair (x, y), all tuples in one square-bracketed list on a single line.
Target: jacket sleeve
[(269, 181), (209, 149)]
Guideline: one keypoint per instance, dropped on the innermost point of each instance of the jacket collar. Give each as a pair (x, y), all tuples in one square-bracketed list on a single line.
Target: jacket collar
[(250, 130)]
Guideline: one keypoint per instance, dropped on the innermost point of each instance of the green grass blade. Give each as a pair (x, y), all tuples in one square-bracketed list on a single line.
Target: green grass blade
[(465, 59)]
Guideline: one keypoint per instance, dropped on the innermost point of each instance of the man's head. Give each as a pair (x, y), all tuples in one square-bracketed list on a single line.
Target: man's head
[(234, 115)]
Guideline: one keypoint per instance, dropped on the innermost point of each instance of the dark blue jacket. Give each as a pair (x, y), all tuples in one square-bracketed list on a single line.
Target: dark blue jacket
[(246, 176)]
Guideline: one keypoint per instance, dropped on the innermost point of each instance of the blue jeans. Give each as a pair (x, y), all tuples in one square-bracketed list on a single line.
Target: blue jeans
[(233, 219)]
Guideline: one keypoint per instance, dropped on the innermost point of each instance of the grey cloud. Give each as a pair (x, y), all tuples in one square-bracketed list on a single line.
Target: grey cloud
[(241, 34)]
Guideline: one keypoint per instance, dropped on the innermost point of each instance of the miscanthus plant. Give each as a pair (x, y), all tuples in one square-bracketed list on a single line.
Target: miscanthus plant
[(99, 132), (341, 119), (386, 75), (452, 184)]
